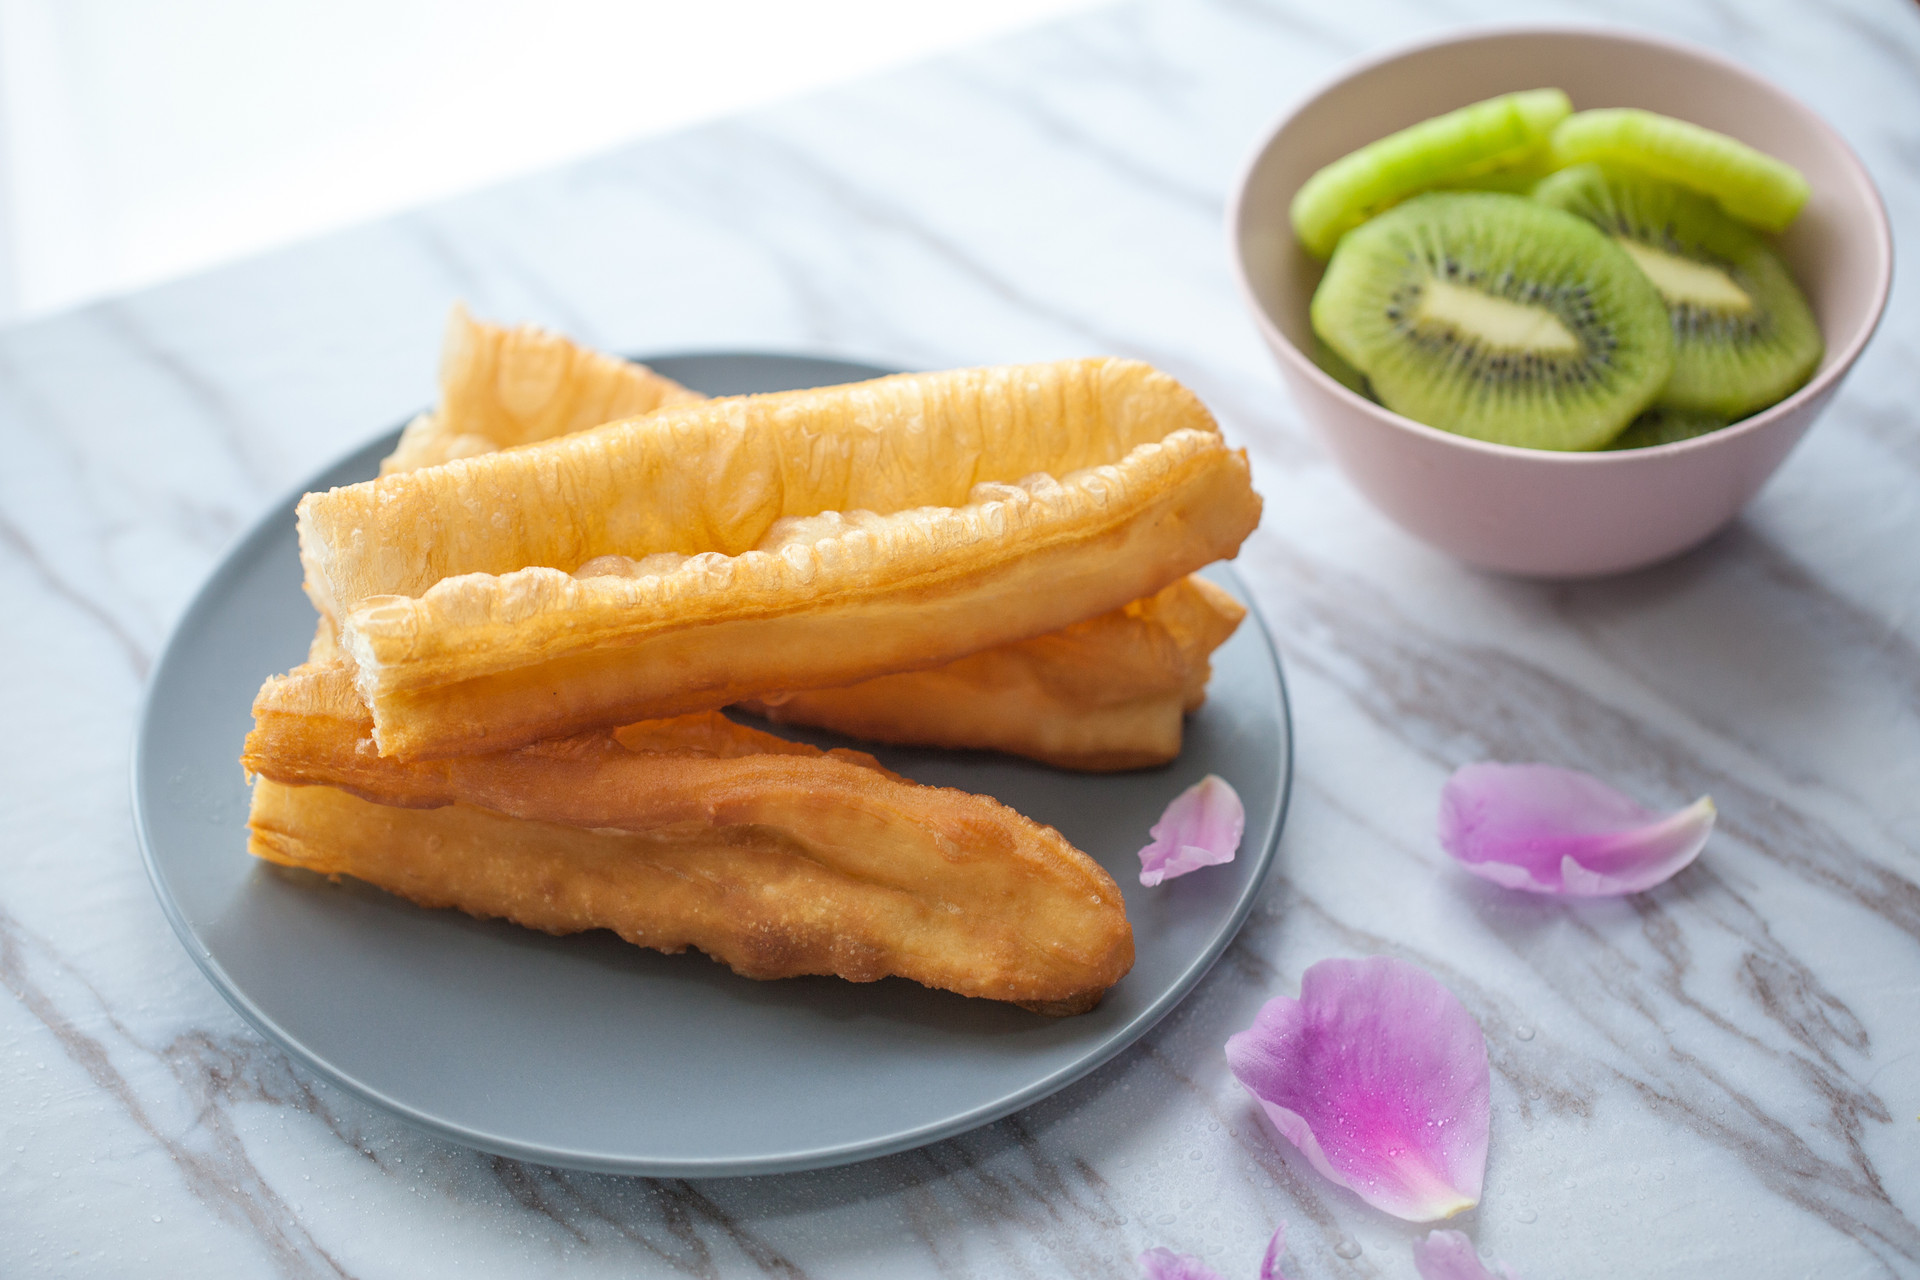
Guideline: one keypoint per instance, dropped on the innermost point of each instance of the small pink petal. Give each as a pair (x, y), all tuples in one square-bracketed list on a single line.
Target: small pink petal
[(1379, 1075), (1548, 830), (1201, 828), (1449, 1255), (1165, 1264), (1270, 1264)]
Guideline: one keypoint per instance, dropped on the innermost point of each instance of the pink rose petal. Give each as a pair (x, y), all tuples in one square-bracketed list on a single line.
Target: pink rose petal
[(1379, 1075), (1201, 828), (1449, 1255), (1165, 1264), (1270, 1264), (1548, 830)]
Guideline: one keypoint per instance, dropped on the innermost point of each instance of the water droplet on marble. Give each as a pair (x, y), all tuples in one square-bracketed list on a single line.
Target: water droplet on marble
[(1348, 1248)]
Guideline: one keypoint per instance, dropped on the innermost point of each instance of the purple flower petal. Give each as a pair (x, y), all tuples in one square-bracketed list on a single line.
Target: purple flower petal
[(1270, 1264), (1201, 828), (1165, 1264), (1548, 830), (1448, 1255), (1379, 1075)]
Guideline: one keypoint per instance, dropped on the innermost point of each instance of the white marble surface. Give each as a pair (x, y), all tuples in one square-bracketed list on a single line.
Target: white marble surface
[(1721, 1077)]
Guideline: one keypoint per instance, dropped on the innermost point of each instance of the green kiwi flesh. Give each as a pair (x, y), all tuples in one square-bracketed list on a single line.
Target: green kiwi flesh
[(1751, 185), (1660, 425), (1486, 136), (1497, 317), (1743, 335), (1335, 366)]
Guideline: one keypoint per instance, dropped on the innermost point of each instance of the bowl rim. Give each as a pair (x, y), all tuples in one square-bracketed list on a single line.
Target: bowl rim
[(1821, 384)]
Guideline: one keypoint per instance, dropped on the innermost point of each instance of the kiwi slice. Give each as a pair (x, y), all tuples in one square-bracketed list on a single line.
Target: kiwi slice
[(1495, 134), (1335, 366), (1751, 185), (1497, 317), (1661, 425), (1743, 336), (1517, 179)]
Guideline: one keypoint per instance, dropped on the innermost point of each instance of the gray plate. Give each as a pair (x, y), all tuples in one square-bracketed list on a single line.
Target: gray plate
[(587, 1052)]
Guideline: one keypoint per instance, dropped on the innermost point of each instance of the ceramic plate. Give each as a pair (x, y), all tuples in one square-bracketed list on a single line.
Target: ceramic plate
[(590, 1053)]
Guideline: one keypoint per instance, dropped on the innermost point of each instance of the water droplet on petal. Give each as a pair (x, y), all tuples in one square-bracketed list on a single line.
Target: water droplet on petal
[(1523, 1033), (1348, 1248)]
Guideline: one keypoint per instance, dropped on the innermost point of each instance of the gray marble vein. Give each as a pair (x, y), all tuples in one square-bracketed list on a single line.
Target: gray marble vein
[(1719, 1077)]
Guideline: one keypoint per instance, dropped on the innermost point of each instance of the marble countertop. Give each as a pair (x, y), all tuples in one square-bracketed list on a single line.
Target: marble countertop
[(1720, 1077)]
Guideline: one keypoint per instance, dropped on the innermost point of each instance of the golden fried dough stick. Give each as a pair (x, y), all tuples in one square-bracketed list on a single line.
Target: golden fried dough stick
[(773, 857), (1108, 693), (505, 387), (715, 552), (1105, 694)]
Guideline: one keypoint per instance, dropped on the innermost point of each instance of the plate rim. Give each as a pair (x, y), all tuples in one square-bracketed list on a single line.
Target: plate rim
[(269, 522)]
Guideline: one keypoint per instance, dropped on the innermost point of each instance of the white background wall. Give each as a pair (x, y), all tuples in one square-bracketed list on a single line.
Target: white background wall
[(143, 139)]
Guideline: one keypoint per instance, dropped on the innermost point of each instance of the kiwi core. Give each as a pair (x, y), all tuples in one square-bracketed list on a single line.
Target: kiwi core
[(1685, 282), (1497, 323)]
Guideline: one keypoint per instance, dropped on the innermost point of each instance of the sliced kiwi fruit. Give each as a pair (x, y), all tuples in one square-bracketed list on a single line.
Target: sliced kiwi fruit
[(1335, 366), (1517, 179), (1661, 425), (1497, 317), (1743, 336), (1487, 136), (1751, 185)]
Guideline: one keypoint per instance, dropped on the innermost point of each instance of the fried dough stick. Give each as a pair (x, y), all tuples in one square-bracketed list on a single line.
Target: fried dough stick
[(505, 387), (710, 553), (773, 857), (1106, 694)]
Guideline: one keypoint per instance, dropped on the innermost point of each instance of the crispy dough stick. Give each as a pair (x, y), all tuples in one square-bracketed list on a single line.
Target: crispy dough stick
[(752, 578), (505, 387), (1105, 694), (773, 857), (1109, 693)]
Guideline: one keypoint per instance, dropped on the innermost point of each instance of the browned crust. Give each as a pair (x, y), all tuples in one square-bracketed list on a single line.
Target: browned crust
[(799, 861)]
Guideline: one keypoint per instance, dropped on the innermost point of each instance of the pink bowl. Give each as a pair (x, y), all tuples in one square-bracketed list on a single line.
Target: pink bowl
[(1530, 511)]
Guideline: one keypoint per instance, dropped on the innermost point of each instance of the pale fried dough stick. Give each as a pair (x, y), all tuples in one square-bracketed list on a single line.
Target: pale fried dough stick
[(756, 570), (773, 857), (1105, 694), (505, 387)]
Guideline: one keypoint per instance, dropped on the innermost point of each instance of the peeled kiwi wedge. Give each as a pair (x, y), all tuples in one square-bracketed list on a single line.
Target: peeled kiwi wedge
[(1743, 335), (1751, 185), (1498, 317), (1498, 134)]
